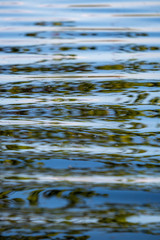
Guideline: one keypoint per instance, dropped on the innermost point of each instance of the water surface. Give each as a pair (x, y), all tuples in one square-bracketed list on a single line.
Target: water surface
[(79, 120)]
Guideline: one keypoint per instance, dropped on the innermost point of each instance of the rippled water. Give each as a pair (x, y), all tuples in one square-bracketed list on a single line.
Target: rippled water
[(79, 120)]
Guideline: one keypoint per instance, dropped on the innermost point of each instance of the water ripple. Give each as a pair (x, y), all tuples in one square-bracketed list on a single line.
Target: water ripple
[(79, 119)]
